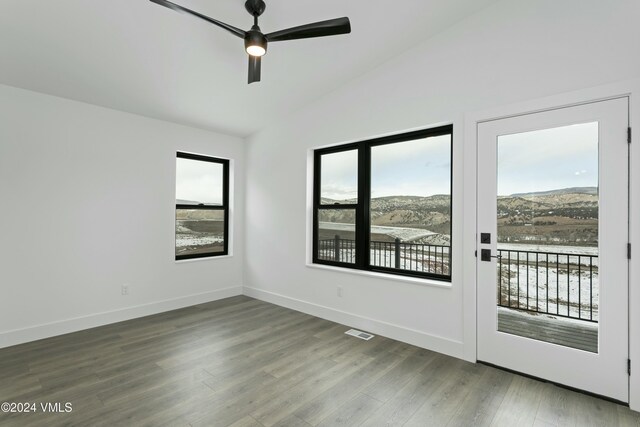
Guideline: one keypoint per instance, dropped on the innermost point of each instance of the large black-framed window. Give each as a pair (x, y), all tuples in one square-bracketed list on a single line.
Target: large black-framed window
[(202, 206), (385, 204)]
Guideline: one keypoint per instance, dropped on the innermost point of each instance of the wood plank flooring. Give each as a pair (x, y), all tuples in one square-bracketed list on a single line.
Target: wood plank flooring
[(245, 363)]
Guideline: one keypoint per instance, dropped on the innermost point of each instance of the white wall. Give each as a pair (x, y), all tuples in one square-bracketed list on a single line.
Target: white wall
[(88, 204), (514, 51)]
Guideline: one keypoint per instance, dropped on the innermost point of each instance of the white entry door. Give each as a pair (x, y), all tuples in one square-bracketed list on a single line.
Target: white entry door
[(552, 245)]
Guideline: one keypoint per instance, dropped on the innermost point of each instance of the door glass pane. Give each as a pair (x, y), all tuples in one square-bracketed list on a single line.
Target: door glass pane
[(548, 287), (337, 235), (339, 178), (411, 205), (199, 231)]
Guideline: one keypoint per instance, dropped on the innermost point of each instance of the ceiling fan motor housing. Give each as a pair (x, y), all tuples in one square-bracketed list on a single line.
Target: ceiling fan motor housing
[(255, 37)]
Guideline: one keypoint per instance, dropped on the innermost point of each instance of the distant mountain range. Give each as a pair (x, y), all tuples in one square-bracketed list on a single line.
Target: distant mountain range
[(432, 213), (196, 217), (577, 203), (572, 190), (562, 216)]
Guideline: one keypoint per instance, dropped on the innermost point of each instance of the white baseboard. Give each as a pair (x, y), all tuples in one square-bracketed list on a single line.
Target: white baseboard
[(49, 330), (400, 333), (389, 330)]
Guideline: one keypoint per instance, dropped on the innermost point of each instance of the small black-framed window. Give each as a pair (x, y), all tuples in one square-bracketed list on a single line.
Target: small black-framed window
[(385, 204), (202, 206)]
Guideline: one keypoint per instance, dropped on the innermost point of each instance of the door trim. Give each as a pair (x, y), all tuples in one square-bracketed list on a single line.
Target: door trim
[(555, 108)]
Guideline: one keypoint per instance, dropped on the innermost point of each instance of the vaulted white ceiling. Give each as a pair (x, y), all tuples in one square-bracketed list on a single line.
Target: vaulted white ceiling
[(136, 56)]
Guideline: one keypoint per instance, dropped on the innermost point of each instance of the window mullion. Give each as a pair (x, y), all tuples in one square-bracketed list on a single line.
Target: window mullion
[(317, 174), (366, 201), (362, 211), (202, 207), (225, 198), (338, 206)]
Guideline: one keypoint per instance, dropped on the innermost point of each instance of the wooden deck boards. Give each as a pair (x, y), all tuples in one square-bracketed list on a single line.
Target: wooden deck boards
[(567, 332)]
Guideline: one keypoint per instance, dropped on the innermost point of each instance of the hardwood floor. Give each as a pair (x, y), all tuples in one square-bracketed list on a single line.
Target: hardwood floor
[(245, 363)]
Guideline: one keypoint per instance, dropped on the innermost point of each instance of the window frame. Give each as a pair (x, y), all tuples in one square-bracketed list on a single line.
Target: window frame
[(363, 206), (223, 207)]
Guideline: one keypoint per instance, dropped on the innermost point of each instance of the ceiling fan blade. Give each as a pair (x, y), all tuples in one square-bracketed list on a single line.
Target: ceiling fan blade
[(233, 30), (255, 63), (332, 27)]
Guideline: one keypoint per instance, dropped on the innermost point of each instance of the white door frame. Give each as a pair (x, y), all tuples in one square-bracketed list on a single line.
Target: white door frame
[(629, 88), (569, 365)]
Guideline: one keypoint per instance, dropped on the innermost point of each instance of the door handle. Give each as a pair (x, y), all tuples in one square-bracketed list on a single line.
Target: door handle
[(485, 255)]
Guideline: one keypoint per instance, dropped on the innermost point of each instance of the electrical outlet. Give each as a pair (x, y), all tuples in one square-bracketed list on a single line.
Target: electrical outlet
[(340, 291), (125, 289)]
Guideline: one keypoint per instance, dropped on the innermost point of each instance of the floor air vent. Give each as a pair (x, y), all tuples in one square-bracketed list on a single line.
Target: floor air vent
[(359, 334)]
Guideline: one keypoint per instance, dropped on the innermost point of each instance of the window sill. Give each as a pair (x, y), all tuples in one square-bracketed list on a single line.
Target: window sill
[(385, 276), (208, 258)]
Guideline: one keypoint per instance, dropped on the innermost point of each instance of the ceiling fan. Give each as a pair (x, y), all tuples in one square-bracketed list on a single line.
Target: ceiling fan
[(255, 42)]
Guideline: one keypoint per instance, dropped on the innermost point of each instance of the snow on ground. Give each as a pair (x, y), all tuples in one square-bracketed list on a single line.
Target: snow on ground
[(190, 240)]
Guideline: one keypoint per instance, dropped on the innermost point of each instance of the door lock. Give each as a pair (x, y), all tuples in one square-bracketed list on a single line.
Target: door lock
[(485, 255)]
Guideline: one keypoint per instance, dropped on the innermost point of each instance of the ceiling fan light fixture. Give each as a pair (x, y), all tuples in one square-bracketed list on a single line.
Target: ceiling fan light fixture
[(256, 50), (255, 43)]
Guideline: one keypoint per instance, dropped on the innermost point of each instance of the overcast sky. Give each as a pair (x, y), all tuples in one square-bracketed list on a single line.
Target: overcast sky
[(527, 162), (199, 181), (549, 159), (340, 175), (412, 168)]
